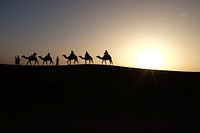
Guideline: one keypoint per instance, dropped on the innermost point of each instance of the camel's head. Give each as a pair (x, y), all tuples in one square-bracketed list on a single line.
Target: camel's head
[(64, 55), (40, 56), (23, 56), (34, 53), (98, 56)]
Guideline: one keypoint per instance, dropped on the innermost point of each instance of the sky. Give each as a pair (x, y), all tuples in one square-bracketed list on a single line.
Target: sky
[(126, 28)]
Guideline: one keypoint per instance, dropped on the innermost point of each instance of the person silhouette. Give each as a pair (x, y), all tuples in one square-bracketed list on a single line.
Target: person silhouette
[(57, 61), (17, 60), (87, 55), (72, 54), (48, 55), (106, 53), (33, 55)]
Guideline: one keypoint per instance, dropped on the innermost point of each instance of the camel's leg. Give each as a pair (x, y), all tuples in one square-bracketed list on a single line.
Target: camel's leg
[(28, 62), (36, 62), (69, 62), (111, 62), (75, 61), (51, 62)]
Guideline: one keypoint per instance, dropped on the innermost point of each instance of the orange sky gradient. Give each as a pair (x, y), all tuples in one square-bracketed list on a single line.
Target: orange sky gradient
[(125, 28)]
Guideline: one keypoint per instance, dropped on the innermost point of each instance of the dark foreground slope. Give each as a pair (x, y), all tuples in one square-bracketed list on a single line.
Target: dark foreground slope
[(94, 98)]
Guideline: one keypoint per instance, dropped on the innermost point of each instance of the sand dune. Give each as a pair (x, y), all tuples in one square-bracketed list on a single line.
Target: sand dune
[(98, 98)]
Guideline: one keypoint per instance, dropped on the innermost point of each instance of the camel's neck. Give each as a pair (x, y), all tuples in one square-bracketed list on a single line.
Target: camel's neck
[(41, 57), (82, 57), (100, 57), (66, 57), (25, 57)]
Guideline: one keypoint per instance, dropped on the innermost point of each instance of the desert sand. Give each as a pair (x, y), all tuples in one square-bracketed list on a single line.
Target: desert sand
[(98, 99)]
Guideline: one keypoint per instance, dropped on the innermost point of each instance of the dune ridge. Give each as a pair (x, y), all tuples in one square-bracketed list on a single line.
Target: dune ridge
[(98, 98)]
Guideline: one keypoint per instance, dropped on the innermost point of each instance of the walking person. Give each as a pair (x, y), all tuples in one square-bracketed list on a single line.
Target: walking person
[(57, 61)]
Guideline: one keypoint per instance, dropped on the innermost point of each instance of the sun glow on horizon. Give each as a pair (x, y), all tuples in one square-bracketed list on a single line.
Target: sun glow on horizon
[(150, 59)]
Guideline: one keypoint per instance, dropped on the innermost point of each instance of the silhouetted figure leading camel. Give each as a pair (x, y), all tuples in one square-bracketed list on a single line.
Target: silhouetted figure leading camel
[(87, 58), (31, 58), (46, 58), (17, 60), (72, 56), (105, 57), (57, 61)]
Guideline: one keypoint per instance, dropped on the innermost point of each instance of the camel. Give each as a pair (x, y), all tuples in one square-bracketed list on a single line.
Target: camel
[(104, 58), (31, 58), (45, 59), (72, 56), (87, 58), (69, 58)]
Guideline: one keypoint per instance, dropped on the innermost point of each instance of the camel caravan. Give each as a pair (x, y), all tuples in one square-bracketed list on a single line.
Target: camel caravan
[(71, 59)]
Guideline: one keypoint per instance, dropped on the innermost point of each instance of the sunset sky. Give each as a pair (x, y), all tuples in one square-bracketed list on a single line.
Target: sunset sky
[(126, 28)]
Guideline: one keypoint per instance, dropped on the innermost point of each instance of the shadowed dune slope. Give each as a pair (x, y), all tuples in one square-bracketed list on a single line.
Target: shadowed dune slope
[(98, 98)]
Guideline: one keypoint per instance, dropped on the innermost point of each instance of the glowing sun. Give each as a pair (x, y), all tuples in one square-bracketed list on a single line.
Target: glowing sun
[(150, 59)]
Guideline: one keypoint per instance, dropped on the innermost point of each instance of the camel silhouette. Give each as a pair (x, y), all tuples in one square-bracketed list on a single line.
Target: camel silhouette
[(46, 58), (71, 57), (31, 58), (87, 58), (105, 57)]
